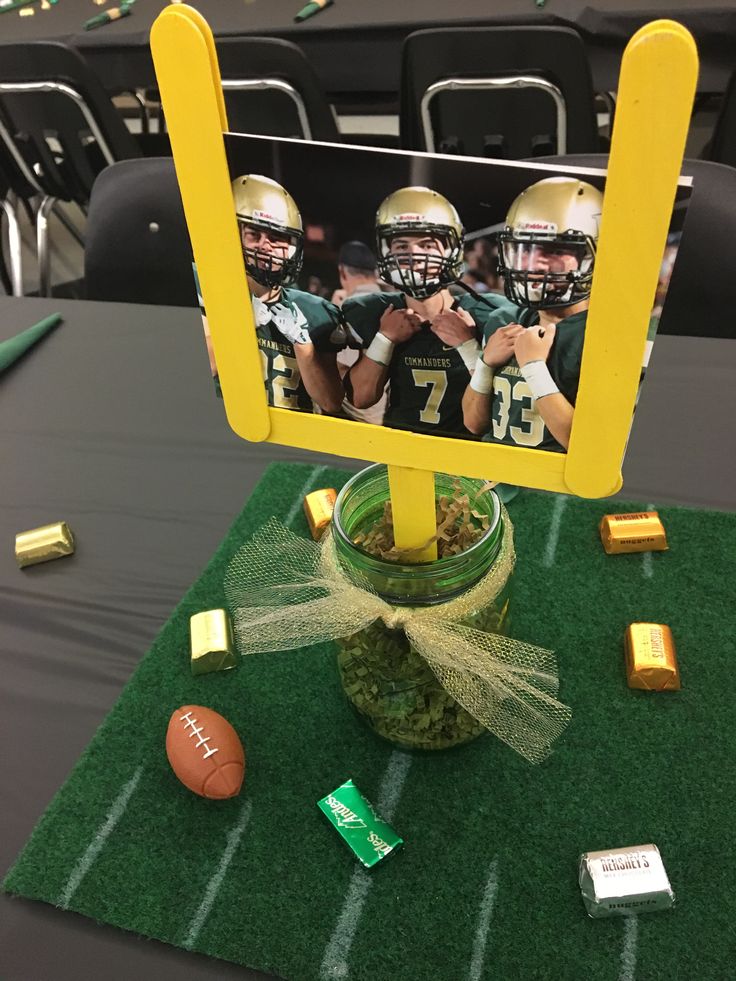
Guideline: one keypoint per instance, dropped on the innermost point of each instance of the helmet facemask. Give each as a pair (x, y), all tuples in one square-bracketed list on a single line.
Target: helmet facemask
[(418, 274), (546, 271), (274, 267)]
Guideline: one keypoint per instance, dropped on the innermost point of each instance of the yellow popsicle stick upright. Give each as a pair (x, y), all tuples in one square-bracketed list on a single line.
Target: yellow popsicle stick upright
[(414, 510), (659, 72), (189, 81)]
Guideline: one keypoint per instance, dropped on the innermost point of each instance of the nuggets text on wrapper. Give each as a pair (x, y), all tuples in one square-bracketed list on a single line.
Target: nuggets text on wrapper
[(641, 531)]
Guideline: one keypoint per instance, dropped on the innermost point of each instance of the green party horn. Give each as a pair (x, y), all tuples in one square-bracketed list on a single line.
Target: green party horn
[(14, 347)]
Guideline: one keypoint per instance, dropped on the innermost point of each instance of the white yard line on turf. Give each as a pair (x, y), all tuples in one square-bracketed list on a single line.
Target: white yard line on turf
[(628, 952), (98, 842), (237, 832), (647, 561), (554, 530), (213, 886), (298, 503), (121, 802), (484, 922), (335, 959)]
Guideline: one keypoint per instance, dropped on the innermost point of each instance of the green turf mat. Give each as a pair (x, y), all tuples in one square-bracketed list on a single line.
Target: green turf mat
[(486, 885)]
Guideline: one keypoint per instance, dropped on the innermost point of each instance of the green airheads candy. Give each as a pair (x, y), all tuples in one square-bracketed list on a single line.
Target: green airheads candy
[(350, 814)]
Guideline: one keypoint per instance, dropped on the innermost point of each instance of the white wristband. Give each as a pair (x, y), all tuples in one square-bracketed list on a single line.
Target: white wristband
[(482, 378), (469, 351), (380, 350), (536, 375)]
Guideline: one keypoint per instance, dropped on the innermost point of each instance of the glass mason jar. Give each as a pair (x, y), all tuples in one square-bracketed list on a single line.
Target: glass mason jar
[(388, 683)]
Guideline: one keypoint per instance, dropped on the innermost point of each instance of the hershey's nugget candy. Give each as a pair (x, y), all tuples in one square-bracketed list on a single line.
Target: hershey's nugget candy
[(43, 544), (370, 838), (624, 881), (212, 643), (651, 662), (640, 532), (318, 507)]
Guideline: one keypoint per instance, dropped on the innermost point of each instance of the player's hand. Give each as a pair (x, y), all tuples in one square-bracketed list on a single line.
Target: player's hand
[(399, 325), (500, 345), (530, 346), (454, 327), (292, 327), (338, 296), (297, 335)]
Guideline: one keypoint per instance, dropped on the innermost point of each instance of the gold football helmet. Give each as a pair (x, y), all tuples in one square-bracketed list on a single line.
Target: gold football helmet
[(264, 205), (422, 212), (547, 249)]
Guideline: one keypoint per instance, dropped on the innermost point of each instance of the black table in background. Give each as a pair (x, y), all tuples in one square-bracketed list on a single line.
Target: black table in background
[(111, 423), (355, 45)]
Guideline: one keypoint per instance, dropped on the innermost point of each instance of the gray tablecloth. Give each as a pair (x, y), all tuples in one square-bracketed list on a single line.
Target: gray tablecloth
[(111, 423), (355, 45)]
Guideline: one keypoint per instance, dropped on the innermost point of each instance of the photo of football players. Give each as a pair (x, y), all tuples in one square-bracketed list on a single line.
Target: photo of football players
[(461, 285), (524, 385), (418, 341), (299, 333)]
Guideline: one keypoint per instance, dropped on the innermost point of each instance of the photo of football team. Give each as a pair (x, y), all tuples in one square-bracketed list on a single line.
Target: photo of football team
[(418, 338)]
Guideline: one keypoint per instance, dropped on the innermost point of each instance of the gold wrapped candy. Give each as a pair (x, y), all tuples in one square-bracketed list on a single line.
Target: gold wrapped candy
[(318, 507), (639, 532), (651, 662), (213, 648), (43, 544)]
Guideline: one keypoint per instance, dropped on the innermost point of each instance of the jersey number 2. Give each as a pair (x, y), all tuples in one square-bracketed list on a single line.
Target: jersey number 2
[(285, 384)]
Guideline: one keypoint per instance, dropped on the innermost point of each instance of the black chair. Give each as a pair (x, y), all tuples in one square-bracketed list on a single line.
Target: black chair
[(137, 246), (701, 298), (510, 92), (272, 90), (59, 126), (722, 146)]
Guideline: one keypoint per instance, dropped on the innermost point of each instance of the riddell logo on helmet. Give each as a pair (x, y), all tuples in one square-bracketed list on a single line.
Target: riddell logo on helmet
[(537, 226), (408, 217), (263, 215)]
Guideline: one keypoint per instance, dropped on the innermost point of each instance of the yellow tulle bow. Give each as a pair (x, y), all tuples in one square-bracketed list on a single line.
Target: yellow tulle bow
[(285, 592)]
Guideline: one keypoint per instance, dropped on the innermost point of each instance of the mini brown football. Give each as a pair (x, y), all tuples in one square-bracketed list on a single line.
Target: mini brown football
[(205, 752)]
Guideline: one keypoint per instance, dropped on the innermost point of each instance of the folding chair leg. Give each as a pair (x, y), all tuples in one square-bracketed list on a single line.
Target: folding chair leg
[(42, 245), (139, 98), (14, 245), (4, 275)]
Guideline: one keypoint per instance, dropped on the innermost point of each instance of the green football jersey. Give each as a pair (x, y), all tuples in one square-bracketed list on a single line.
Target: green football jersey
[(294, 312), (514, 415), (427, 378)]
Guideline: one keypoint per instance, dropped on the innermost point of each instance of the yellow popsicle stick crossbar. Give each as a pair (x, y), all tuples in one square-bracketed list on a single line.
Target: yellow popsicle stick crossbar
[(655, 97)]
